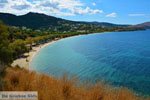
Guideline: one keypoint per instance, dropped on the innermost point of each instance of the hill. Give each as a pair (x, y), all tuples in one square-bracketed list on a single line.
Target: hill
[(44, 22), (38, 21), (106, 24), (143, 25), (32, 20)]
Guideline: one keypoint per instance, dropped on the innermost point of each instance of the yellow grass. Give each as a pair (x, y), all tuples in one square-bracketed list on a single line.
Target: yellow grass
[(62, 89)]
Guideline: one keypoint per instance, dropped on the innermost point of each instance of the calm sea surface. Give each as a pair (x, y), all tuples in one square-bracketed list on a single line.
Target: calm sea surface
[(120, 58)]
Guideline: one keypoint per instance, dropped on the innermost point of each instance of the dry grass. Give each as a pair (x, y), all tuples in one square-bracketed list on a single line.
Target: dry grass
[(65, 89)]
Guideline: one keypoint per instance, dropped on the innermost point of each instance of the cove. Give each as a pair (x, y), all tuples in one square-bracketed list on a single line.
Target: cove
[(120, 58)]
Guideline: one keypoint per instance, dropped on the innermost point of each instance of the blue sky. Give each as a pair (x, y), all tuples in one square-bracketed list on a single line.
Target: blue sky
[(114, 11)]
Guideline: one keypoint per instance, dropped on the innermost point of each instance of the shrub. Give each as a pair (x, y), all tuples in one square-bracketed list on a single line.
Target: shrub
[(66, 88)]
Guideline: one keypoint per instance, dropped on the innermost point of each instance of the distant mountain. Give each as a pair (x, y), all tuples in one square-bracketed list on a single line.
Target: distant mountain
[(143, 25), (32, 20), (105, 24), (42, 21)]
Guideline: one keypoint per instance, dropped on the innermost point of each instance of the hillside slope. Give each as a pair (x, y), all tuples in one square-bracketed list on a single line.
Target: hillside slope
[(62, 89), (143, 25), (106, 24), (32, 20), (44, 22)]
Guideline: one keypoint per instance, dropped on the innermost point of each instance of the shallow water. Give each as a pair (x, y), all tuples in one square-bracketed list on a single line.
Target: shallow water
[(120, 58)]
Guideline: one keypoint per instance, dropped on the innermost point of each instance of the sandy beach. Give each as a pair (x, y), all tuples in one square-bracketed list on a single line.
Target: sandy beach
[(24, 62)]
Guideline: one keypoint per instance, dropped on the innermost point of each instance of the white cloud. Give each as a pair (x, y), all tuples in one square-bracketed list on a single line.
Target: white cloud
[(136, 14), (139, 15), (3, 3), (16, 6), (112, 15), (87, 10), (20, 7), (94, 4), (50, 7)]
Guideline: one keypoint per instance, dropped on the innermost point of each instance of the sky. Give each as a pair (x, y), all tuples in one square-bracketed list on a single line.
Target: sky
[(113, 11)]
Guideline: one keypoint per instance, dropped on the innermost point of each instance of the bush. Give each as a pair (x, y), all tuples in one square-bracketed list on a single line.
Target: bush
[(63, 89)]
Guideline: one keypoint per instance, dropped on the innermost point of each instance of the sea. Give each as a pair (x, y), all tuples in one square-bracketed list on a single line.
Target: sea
[(121, 59)]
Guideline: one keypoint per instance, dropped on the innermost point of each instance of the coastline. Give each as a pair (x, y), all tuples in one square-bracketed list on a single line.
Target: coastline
[(24, 62)]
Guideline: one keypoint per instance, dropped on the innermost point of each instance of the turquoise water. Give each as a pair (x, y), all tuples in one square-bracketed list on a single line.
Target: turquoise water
[(120, 58)]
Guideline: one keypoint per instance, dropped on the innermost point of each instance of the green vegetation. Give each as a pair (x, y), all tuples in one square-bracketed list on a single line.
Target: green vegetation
[(18, 47), (5, 51)]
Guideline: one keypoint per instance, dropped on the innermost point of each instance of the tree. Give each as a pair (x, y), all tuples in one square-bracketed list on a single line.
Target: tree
[(18, 47), (29, 40), (5, 52)]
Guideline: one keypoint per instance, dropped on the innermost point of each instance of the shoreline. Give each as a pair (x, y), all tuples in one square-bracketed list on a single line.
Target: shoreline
[(24, 62)]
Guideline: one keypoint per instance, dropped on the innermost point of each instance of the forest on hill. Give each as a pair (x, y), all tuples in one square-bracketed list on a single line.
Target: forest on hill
[(37, 21)]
